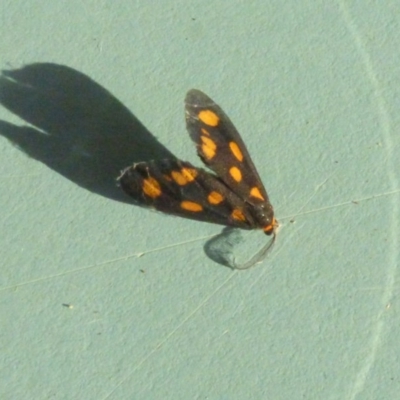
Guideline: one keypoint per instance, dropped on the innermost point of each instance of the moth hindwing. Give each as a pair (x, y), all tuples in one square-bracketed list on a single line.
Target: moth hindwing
[(233, 196)]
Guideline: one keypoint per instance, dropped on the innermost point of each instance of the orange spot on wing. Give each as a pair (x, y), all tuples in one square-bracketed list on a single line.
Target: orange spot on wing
[(184, 176), (208, 147), (205, 132), (191, 206), (208, 117), (151, 187), (255, 192), (189, 173), (236, 151), (215, 198), (235, 174), (238, 215)]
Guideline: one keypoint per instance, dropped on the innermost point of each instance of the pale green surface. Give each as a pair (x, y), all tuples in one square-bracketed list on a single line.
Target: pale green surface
[(314, 90)]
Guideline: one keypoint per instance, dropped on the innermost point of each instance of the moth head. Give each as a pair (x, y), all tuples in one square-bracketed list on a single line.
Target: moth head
[(270, 229)]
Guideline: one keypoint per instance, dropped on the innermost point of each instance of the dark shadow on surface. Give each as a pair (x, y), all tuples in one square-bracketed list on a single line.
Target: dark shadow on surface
[(80, 130)]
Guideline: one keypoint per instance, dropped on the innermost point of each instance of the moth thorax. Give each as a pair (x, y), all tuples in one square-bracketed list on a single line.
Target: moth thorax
[(263, 214)]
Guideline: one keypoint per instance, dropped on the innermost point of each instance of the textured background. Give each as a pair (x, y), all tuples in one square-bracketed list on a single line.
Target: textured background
[(103, 300)]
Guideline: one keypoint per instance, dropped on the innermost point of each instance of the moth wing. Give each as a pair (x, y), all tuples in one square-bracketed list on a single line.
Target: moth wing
[(178, 188), (221, 148)]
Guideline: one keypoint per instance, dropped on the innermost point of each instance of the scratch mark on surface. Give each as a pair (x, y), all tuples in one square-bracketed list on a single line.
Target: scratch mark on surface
[(377, 333), (99, 265), (140, 254), (343, 204), (316, 190)]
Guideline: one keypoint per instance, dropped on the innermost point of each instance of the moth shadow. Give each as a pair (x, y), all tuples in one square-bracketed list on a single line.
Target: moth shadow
[(81, 131), (78, 128)]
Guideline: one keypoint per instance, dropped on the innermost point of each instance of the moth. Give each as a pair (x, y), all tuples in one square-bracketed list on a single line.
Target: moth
[(232, 196)]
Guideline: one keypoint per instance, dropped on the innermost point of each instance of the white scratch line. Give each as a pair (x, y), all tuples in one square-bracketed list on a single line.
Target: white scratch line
[(377, 334)]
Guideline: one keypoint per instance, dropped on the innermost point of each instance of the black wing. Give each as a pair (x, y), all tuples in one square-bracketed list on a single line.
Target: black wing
[(177, 187), (222, 149)]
